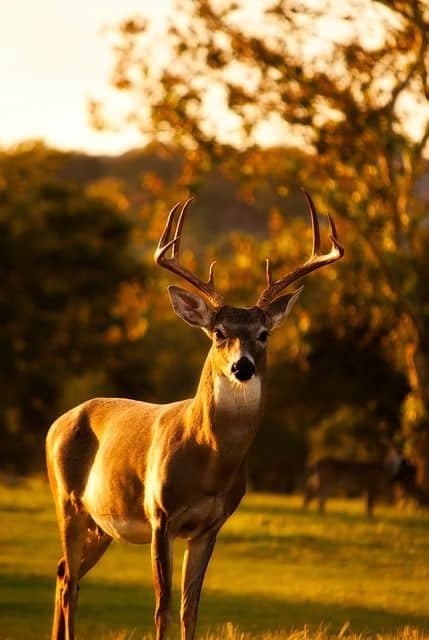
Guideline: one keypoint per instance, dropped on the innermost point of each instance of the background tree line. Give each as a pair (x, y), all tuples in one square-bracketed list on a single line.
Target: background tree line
[(85, 311)]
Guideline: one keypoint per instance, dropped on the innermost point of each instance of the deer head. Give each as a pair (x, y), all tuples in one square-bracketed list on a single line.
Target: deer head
[(239, 335)]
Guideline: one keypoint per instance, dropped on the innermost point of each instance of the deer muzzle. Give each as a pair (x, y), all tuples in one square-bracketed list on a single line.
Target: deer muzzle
[(243, 369)]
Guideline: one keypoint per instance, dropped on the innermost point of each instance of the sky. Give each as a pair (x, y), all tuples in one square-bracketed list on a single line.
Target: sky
[(53, 58), (55, 55)]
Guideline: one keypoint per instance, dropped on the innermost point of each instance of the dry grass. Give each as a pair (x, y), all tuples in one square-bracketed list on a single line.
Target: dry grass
[(230, 632)]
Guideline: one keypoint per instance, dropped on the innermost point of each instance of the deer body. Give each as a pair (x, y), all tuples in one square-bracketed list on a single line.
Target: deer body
[(146, 473), (328, 476), (123, 499)]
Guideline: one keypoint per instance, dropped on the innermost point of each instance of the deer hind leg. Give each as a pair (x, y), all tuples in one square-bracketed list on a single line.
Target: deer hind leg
[(58, 627), (73, 529), (309, 495), (311, 487), (96, 544), (370, 500), (323, 496)]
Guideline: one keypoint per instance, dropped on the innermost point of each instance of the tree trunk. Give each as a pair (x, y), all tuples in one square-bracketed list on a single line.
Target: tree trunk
[(418, 412)]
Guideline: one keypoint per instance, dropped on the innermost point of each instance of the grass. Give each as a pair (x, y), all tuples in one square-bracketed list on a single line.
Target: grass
[(277, 573)]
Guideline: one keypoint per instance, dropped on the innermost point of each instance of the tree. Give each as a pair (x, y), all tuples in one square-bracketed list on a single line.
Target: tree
[(66, 265), (350, 82)]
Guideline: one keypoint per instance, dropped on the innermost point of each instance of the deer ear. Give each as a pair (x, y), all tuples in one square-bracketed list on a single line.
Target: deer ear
[(280, 308), (191, 307)]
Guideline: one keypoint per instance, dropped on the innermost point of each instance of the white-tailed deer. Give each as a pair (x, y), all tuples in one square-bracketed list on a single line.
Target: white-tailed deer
[(329, 476), (147, 473)]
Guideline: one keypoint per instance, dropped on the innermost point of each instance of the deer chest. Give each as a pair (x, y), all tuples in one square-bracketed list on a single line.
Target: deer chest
[(203, 514)]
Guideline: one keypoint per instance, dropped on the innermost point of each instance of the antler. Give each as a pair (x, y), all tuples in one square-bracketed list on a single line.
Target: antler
[(172, 263), (317, 260)]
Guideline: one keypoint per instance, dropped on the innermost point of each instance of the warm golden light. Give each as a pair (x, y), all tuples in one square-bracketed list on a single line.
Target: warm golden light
[(54, 57)]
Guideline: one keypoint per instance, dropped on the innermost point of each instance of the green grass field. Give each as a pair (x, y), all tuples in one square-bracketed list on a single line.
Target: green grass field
[(275, 568)]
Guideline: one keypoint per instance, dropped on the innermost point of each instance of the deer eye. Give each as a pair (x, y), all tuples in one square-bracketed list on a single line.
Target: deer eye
[(219, 335), (263, 336)]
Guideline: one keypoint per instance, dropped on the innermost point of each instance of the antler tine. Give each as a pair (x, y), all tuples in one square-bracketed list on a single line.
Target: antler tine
[(172, 263), (268, 274), (317, 259), (164, 243), (334, 237), (211, 274), (178, 234), (314, 223)]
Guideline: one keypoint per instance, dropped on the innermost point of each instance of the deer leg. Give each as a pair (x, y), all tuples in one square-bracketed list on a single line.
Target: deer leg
[(58, 627), (73, 529), (322, 501), (370, 499), (308, 497), (75, 535), (195, 561), (95, 545), (162, 571)]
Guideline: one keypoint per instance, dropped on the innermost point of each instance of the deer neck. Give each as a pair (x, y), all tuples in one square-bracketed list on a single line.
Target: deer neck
[(228, 412)]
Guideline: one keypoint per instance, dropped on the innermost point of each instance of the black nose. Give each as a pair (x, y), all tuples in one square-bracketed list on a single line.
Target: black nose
[(243, 369)]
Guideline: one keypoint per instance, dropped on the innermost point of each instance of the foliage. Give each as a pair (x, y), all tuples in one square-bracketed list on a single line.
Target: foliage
[(349, 84), (111, 327), (66, 264)]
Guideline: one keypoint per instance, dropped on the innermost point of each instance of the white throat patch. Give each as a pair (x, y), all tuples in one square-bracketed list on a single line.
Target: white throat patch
[(237, 397)]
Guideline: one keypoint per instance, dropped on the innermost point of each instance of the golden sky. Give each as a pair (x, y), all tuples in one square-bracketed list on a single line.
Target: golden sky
[(53, 57)]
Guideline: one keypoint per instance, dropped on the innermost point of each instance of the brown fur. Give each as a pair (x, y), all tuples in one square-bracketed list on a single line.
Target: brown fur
[(149, 473), (328, 476), (175, 470)]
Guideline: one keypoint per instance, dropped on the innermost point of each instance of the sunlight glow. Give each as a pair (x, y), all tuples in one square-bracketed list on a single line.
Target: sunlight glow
[(57, 55), (54, 58)]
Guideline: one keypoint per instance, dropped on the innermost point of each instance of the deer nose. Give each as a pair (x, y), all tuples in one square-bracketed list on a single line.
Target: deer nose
[(243, 369)]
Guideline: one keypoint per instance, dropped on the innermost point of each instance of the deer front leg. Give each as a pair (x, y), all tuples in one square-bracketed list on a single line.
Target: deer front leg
[(195, 561), (370, 500), (162, 571)]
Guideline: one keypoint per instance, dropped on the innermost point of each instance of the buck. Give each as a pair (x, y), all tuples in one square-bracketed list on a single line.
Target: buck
[(147, 473), (328, 476)]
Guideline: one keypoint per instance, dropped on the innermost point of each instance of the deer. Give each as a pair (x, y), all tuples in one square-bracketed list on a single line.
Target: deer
[(127, 470), (329, 475)]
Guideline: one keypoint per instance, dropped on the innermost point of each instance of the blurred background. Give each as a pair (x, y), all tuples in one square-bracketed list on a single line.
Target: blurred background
[(111, 112)]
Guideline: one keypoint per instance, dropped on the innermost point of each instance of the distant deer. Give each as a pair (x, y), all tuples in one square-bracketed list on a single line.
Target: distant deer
[(329, 476), (147, 473)]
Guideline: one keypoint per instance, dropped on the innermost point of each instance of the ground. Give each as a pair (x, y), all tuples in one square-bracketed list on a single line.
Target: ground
[(275, 568)]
